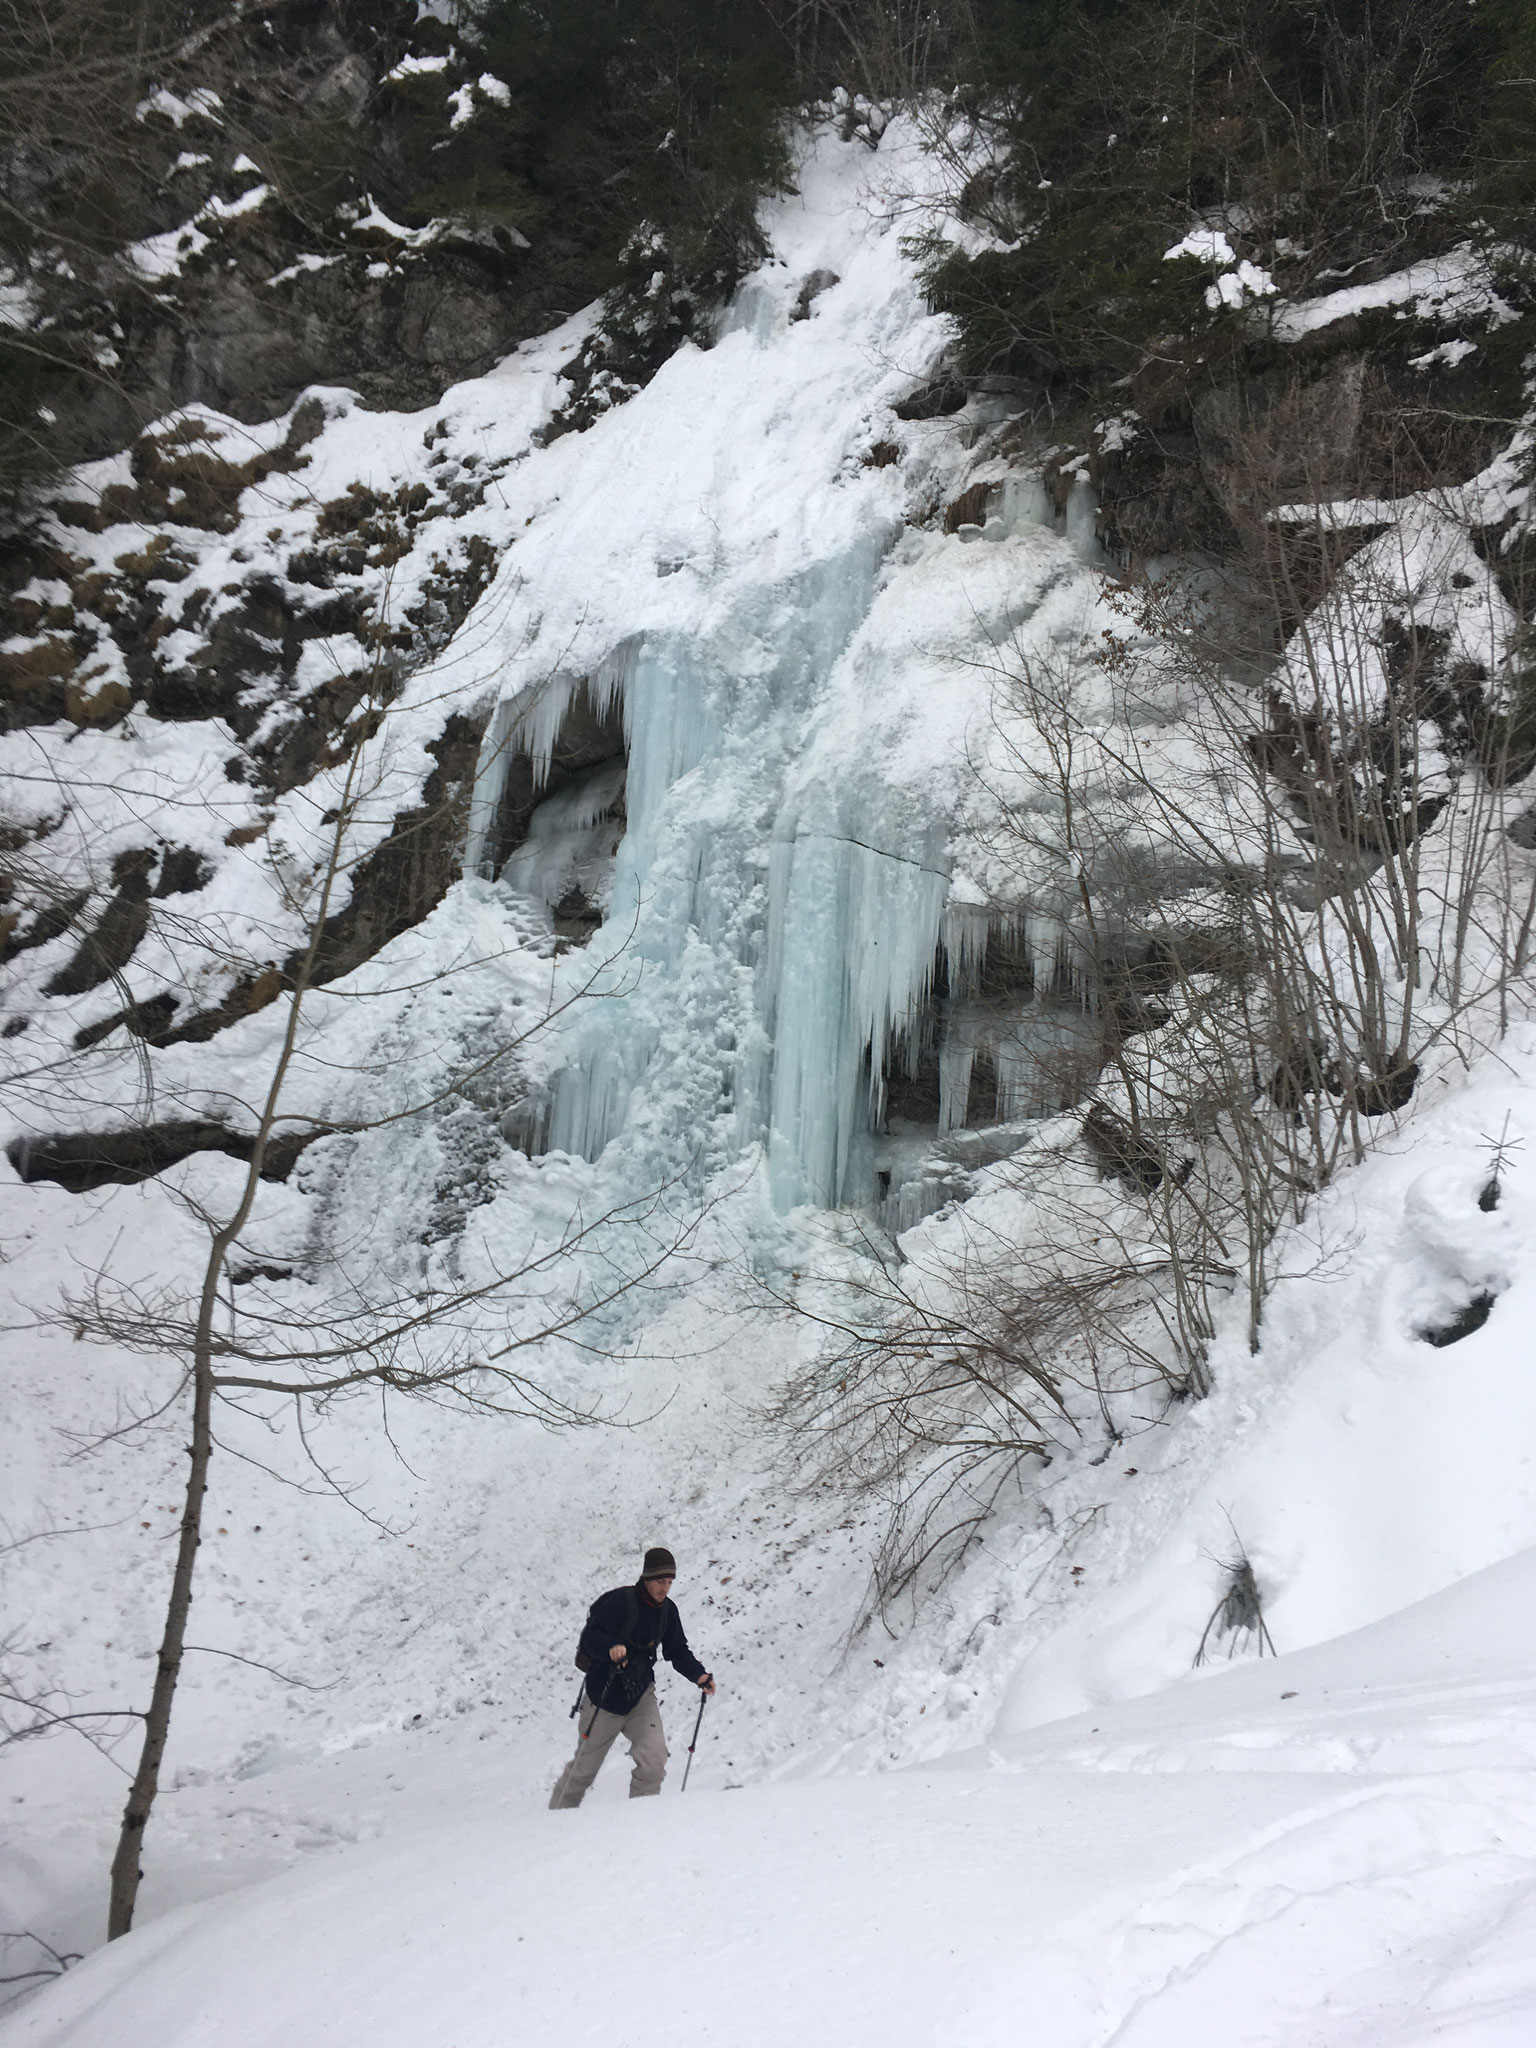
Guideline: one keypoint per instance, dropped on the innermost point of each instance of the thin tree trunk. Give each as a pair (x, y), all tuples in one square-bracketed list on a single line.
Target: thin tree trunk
[(157, 1722)]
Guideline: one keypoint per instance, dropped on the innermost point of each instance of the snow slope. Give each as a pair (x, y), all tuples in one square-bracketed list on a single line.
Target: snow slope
[(1186, 1851), (1335, 1847)]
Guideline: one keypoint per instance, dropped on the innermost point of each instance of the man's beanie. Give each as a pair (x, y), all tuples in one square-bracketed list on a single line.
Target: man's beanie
[(658, 1564)]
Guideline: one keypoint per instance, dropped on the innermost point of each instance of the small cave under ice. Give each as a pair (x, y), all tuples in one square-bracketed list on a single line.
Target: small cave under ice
[(561, 817), (1006, 1033)]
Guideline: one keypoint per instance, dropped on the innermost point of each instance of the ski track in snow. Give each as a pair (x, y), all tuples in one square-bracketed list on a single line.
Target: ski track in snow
[(1010, 1811)]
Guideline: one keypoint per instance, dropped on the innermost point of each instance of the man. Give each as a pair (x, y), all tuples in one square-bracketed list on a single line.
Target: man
[(618, 1646)]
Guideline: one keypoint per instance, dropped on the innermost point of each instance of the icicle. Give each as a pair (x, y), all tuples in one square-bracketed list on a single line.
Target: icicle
[(592, 1100), (529, 722), (956, 1059), (1025, 503), (490, 783), (1018, 1086), (907, 1205), (1082, 521), (855, 929), (1045, 950), (541, 710), (967, 932)]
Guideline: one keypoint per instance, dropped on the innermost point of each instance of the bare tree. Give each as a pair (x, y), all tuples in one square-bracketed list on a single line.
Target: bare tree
[(886, 48), (948, 1378), (46, 1960), (1280, 894), (355, 1325)]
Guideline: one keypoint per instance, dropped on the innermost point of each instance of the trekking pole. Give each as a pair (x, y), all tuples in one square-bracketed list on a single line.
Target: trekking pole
[(687, 1767), (597, 1705)]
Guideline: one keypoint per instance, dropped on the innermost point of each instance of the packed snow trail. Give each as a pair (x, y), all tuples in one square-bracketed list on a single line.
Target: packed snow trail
[(1336, 1848)]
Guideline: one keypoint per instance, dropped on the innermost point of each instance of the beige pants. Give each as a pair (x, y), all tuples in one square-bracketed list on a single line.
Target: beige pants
[(640, 1727)]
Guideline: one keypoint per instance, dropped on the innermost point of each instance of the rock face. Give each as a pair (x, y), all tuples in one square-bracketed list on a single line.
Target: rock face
[(250, 256), (391, 317), (151, 598), (249, 249), (119, 645), (408, 873), (108, 947), (80, 1161)]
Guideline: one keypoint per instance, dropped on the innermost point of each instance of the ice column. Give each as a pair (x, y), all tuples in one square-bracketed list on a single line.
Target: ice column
[(856, 907), (1082, 521), (672, 722)]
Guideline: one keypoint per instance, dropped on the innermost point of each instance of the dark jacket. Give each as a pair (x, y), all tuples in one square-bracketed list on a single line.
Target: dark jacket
[(626, 1616)]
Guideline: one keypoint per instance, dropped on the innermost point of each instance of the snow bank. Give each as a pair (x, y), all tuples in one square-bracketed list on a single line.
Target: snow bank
[(1454, 286)]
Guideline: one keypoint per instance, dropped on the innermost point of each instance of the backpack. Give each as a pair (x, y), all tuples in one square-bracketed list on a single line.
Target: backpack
[(631, 1628)]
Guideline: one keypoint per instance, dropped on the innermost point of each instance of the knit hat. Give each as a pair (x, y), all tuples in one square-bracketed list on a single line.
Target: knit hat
[(659, 1564)]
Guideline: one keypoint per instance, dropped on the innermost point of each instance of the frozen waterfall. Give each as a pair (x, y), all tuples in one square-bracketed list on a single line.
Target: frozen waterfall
[(743, 638), (772, 935), (758, 955)]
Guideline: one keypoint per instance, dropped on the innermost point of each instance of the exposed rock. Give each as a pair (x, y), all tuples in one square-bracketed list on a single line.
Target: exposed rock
[(109, 945), (576, 916), (154, 1020), (34, 680), (48, 922), (398, 331), (82, 1160), (1154, 495), (96, 640), (1462, 1324), (935, 400), (403, 879), (406, 876), (345, 89), (1121, 1153), (1264, 440), (95, 697), (971, 507), (146, 1020), (1381, 1095), (818, 282), (1304, 1069)]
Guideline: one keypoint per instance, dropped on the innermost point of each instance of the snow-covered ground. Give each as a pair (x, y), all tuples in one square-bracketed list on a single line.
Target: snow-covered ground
[(1334, 1847), (1008, 1809)]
